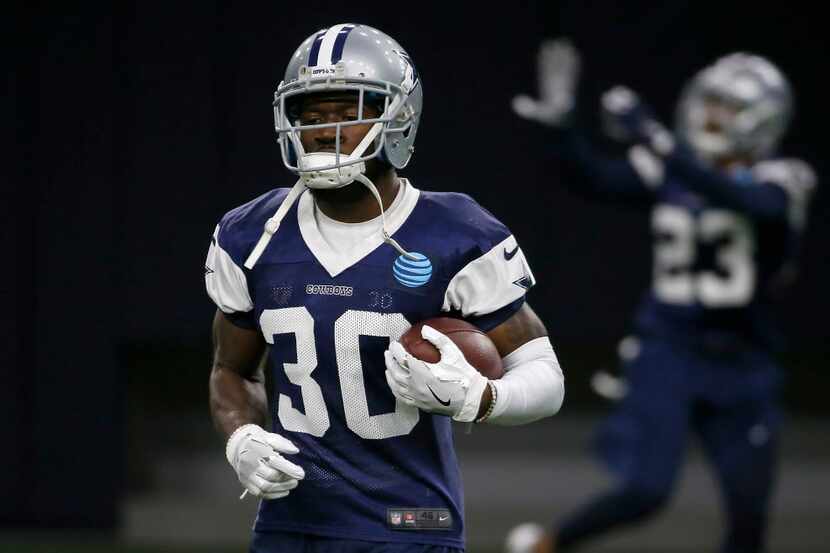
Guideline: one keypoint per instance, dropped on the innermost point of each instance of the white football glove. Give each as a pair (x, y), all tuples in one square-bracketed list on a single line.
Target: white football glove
[(256, 457), (449, 387), (558, 65)]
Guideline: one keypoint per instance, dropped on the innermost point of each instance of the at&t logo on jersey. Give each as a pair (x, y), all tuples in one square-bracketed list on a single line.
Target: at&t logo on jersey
[(414, 272)]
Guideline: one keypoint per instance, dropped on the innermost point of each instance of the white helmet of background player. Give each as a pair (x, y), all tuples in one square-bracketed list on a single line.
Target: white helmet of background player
[(739, 106), (362, 60)]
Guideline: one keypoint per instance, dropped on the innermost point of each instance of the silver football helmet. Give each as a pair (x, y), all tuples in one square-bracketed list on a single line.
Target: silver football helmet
[(354, 59), (350, 58), (740, 105)]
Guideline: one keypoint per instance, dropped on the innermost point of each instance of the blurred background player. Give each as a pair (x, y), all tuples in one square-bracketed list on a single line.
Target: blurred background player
[(726, 219), (326, 276)]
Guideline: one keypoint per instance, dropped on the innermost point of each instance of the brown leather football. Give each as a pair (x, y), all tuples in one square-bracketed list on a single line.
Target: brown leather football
[(476, 346)]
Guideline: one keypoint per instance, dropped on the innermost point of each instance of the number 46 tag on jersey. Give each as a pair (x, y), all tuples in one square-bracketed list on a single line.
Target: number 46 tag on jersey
[(409, 518)]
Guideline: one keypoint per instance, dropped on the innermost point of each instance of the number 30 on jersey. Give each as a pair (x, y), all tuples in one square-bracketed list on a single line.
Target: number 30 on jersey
[(348, 329)]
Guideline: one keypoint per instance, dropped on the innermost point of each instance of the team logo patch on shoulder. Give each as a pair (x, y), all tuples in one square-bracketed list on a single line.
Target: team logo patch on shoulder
[(525, 282), (412, 273)]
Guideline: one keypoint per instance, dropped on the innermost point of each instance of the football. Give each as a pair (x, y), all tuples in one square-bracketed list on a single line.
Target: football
[(476, 346)]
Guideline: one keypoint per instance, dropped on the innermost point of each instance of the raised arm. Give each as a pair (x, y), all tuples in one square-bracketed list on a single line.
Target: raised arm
[(587, 171)]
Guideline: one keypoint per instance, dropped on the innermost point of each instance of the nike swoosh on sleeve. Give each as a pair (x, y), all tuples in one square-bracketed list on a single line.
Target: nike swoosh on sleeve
[(509, 255)]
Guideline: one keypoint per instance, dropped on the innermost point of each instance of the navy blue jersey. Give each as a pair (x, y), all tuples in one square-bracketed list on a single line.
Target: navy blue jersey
[(370, 461), (721, 241)]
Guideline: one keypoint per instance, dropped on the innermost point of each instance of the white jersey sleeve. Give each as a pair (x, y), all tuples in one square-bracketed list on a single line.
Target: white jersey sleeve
[(490, 282), (796, 178), (225, 280)]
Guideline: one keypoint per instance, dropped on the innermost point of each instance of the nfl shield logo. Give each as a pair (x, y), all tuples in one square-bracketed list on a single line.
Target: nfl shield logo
[(395, 518)]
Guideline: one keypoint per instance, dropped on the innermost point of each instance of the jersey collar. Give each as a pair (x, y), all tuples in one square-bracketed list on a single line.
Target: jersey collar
[(335, 262)]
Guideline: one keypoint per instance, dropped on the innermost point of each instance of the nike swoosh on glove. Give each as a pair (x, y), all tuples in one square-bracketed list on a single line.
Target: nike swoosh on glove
[(256, 456), (449, 387)]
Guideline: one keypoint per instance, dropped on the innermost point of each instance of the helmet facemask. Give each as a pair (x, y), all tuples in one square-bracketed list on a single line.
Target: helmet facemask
[(323, 170), (710, 125)]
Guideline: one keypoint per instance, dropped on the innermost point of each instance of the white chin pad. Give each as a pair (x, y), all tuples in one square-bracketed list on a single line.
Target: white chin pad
[(313, 177)]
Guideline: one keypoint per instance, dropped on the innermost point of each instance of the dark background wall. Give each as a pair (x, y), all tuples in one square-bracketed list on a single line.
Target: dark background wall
[(135, 126), (193, 137)]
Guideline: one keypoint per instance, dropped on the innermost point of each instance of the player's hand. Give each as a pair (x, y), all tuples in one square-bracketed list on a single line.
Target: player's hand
[(449, 387), (557, 69), (627, 119), (256, 456)]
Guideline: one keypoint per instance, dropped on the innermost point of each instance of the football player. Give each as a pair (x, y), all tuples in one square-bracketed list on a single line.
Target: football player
[(726, 219), (323, 278)]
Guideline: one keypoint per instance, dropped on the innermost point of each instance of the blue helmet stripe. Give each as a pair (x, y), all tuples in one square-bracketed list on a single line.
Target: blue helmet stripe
[(339, 43), (315, 49)]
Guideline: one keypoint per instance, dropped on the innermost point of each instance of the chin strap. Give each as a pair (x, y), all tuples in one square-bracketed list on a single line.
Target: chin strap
[(272, 224), (364, 180)]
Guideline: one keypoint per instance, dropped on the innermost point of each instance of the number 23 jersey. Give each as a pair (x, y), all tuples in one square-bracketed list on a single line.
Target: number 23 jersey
[(714, 268), (376, 469)]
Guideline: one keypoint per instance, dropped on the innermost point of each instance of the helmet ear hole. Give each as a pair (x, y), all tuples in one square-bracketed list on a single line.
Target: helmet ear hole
[(407, 119)]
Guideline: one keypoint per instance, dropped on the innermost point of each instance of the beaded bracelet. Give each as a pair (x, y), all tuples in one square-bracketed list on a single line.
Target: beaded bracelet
[(494, 396)]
